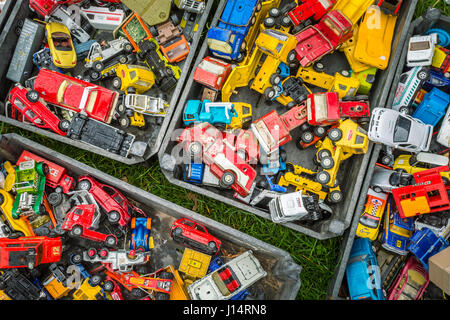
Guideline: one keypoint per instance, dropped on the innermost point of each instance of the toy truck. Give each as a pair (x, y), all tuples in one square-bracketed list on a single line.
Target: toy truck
[(121, 260), (297, 206), (433, 107), (326, 108), (370, 220), (425, 244), (309, 11), (99, 57), (212, 73), (171, 40), (233, 277), (315, 41), (102, 18), (353, 9), (46, 7), (421, 50), (161, 285), (194, 265), (56, 283), (18, 287), (29, 187)]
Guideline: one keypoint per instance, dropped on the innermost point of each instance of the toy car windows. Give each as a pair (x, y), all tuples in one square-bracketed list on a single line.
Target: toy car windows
[(199, 228), (19, 104), (401, 131)]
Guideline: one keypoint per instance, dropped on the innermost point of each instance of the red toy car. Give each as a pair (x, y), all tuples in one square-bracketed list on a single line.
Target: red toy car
[(46, 7), (310, 9), (194, 235), (199, 137), (28, 103), (29, 251), (118, 208), (315, 41), (411, 283), (212, 73), (71, 93), (326, 108), (57, 177), (82, 220)]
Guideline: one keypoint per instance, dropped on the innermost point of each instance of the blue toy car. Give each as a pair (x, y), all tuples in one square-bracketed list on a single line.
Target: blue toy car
[(425, 243), (433, 107), (227, 39), (215, 113), (273, 167), (363, 273), (397, 231), (437, 79), (284, 72), (141, 238), (193, 172)]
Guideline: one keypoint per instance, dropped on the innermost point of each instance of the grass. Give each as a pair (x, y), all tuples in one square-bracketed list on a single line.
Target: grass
[(318, 258)]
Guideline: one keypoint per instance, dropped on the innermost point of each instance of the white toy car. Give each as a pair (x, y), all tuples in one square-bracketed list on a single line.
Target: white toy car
[(121, 260), (443, 136), (98, 56), (399, 131), (146, 105), (421, 50), (409, 85), (384, 179), (224, 283), (103, 18)]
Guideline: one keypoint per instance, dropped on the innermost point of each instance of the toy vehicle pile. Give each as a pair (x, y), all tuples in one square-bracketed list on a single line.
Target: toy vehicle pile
[(68, 237), (401, 248), (289, 159), (101, 71)]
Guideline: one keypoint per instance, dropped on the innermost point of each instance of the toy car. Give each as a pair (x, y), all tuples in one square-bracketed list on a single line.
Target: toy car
[(411, 283), (70, 17), (384, 179), (399, 131), (234, 276), (212, 72), (408, 86), (443, 136), (433, 107), (315, 41), (76, 95), (308, 11), (29, 252), (425, 244), (193, 172), (297, 206), (121, 260), (20, 228), (219, 114), (397, 231), (115, 204), (46, 7), (56, 283), (145, 104), (33, 108), (363, 276), (133, 78), (370, 220), (82, 220), (441, 60), (43, 59), (141, 239), (194, 235), (103, 18), (421, 50), (98, 58), (18, 287), (421, 161), (172, 41), (61, 47), (437, 222)]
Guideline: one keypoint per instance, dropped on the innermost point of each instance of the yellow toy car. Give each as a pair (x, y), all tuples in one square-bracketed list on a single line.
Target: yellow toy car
[(88, 292), (353, 9), (11, 176), (340, 144), (133, 78), (370, 220), (61, 46), (18, 225), (366, 80), (421, 161), (373, 45)]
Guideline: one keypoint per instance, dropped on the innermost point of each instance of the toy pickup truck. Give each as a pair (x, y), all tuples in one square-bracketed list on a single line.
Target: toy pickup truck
[(326, 108), (315, 41), (212, 73), (229, 280), (308, 11)]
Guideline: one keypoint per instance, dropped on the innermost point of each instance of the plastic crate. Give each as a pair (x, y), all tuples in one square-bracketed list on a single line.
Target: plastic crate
[(18, 10), (283, 279), (352, 172)]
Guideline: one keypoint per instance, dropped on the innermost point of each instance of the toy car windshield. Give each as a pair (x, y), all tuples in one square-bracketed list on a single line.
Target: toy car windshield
[(401, 131)]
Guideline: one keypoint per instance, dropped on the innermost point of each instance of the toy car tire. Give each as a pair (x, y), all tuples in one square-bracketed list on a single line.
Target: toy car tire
[(327, 162), (320, 131), (269, 93), (319, 67), (377, 189), (95, 280), (108, 285), (227, 179), (95, 75), (274, 12), (55, 198), (335, 196), (76, 231), (136, 292), (33, 96), (323, 177), (161, 296), (307, 137), (323, 153), (177, 233), (404, 110), (123, 59), (113, 217), (117, 83), (103, 253), (286, 22), (291, 57), (212, 247), (84, 185), (98, 66), (335, 134), (195, 148), (124, 122), (92, 252), (128, 48), (269, 22), (64, 125), (110, 241), (275, 79), (345, 73), (423, 75)]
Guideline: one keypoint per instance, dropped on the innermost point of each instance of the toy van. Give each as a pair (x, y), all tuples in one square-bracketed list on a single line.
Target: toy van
[(409, 85)]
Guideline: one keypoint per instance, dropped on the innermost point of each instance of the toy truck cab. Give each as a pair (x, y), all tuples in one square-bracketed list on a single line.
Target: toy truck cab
[(310, 10), (212, 73), (216, 113), (316, 41), (133, 78), (421, 50), (229, 280)]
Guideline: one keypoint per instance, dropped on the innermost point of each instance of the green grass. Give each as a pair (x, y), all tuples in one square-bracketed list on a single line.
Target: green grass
[(318, 258)]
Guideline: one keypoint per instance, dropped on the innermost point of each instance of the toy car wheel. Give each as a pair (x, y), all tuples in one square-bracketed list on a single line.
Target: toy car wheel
[(335, 196), (345, 73), (177, 233), (55, 198), (323, 153), (377, 189), (123, 59), (227, 179), (291, 57), (32, 96), (275, 79), (386, 160), (274, 12), (335, 134), (95, 280), (128, 48), (84, 185), (94, 75), (212, 247), (307, 137), (131, 90), (117, 83), (121, 109), (76, 231), (138, 293), (161, 296), (108, 285), (319, 67), (98, 66), (323, 177), (320, 131), (269, 22), (104, 253), (422, 75), (64, 125), (16, 234), (124, 122), (92, 252), (114, 216), (243, 45), (269, 93), (76, 258), (195, 148), (111, 241), (286, 21), (327, 162), (404, 110)]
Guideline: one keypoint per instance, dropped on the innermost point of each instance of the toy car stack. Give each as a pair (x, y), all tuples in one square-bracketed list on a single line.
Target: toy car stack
[(72, 237), (304, 72), (402, 237), (114, 71)]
